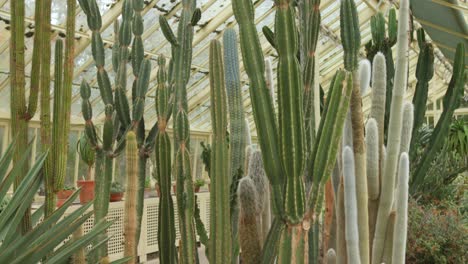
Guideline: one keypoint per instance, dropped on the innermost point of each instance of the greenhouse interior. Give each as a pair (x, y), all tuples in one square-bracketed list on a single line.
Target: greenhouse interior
[(233, 131)]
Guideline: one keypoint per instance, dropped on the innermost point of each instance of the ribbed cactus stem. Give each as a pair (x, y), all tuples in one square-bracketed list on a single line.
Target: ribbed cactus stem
[(379, 87), (131, 196), (220, 221), (248, 230), (373, 172), (364, 76), (248, 137), (351, 210), (394, 134), (388, 246), (350, 34), (401, 221), (331, 256), (269, 79), (407, 127)]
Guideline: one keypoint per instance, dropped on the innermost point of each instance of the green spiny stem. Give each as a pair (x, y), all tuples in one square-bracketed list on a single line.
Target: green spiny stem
[(45, 103), (220, 221), (351, 210), (291, 123), (394, 135), (166, 227), (401, 221), (248, 230), (450, 103), (131, 197), (59, 134), (262, 104), (237, 140), (424, 73), (350, 34)]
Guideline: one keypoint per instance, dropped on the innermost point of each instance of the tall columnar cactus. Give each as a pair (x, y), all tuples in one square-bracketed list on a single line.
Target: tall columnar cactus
[(118, 117), (220, 220), (180, 69), (424, 73), (166, 226), (237, 129), (451, 102), (401, 202), (21, 110), (284, 146), (131, 197)]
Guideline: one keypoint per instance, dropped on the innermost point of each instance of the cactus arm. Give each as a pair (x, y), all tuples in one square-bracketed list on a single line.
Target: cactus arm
[(401, 221), (379, 76), (331, 256), (291, 126), (262, 105), (130, 223), (220, 225), (388, 246), (350, 36), (359, 149), (373, 170), (394, 134), (450, 103), (351, 210)]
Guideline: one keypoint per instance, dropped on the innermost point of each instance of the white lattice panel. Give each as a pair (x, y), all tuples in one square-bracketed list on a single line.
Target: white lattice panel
[(149, 226)]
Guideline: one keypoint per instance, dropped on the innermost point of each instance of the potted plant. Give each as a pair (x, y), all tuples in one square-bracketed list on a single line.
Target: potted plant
[(198, 183), (87, 154), (116, 192), (64, 194)]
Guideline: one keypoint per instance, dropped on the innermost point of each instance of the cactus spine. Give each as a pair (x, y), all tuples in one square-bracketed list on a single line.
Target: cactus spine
[(180, 75), (118, 118), (166, 227), (237, 129), (220, 225), (131, 197)]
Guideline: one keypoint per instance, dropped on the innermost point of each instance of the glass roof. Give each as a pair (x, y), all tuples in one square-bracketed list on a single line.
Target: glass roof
[(216, 17)]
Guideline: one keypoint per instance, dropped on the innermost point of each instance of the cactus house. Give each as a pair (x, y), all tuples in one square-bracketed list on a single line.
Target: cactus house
[(233, 131)]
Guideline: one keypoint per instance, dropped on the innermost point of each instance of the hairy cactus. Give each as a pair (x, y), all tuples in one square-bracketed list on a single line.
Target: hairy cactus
[(248, 227), (220, 249), (401, 202), (131, 196)]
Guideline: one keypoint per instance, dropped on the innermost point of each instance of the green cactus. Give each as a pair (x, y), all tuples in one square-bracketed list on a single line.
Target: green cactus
[(220, 249), (237, 130), (284, 146), (131, 198), (166, 227), (117, 124), (179, 72), (424, 73), (451, 102)]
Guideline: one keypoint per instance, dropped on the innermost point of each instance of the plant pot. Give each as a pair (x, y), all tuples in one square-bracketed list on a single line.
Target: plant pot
[(196, 188), (158, 190), (116, 197), (62, 196), (174, 188), (87, 191)]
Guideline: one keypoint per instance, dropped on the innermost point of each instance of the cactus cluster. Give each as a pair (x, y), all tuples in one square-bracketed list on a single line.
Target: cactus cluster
[(119, 119)]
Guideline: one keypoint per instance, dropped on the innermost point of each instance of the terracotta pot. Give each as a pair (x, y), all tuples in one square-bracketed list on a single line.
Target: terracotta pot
[(62, 196), (87, 191), (174, 188), (196, 188), (116, 197), (158, 190)]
